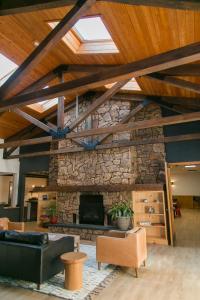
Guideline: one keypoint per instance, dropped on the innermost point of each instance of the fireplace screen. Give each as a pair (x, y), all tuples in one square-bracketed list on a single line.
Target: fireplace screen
[(91, 210)]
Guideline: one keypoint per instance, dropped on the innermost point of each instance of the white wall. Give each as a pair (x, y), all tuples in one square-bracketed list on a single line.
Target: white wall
[(4, 188), (186, 183), (10, 166)]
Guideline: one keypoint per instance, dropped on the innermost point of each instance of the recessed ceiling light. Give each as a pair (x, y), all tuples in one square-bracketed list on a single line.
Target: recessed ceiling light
[(190, 166), (36, 43)]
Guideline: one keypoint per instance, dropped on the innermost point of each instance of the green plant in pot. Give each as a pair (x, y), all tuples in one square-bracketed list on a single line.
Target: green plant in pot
[(52, 213), (122, 213)]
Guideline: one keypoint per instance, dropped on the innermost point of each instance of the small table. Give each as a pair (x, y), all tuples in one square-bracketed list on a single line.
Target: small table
[(57, 236), (73, 262)]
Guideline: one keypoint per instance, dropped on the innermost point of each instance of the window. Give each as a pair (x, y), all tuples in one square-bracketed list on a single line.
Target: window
[(7, 67), (89, 35), (131, 85)]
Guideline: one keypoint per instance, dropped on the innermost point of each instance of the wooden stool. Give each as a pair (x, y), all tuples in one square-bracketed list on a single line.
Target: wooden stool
[(73, 262)]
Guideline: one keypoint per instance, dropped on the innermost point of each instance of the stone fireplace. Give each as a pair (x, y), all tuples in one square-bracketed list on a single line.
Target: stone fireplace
[(142, 164)]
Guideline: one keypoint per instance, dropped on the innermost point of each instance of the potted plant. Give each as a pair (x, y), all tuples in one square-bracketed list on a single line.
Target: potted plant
[(52, 214), (122, 213)]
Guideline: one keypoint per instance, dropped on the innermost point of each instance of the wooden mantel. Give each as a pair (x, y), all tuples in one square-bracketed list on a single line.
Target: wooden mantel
[(100, 188)]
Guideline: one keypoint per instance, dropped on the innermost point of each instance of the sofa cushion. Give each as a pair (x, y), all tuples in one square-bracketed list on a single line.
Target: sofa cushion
[(33, 238)]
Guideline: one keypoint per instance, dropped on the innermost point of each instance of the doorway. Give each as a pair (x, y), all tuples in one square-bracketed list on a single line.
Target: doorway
[(31, 197), (184, 183)]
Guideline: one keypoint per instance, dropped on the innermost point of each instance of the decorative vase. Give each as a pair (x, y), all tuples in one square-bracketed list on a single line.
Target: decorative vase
[(123, 223), (53, 220)]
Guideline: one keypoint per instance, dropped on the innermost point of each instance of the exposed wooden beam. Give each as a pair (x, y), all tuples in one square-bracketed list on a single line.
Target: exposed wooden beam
[(19, 143), (185, 70), (41, 82), (51, 125), (132, 126), (61, 107), (177, 82), (79, 9), (33, 120), (33, 130), (169, 106), (8, 152), (10, 7), (98, 102), (143, 67), (117, 144), (80, 68)]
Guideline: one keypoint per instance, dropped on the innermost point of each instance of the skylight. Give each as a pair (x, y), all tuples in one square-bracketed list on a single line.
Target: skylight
[(91, 29), (88, 35), (7, 67), (42, 106), (131, 85)]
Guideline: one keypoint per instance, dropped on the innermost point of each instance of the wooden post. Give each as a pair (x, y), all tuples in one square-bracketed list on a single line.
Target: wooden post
[(61, 107)]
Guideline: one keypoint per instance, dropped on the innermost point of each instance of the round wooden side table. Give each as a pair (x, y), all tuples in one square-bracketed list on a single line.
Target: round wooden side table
[(73, 262)]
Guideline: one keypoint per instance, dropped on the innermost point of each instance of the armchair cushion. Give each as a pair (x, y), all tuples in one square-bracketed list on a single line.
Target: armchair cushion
[(4, 223)]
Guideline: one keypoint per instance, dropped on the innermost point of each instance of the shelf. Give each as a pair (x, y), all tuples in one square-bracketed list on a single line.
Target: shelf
[(150, 202), (157, 240), (156, 230), (153, 214), (150, 226)]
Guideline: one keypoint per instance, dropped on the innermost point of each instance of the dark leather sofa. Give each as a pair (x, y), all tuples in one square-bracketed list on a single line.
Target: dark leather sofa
[(31, 256)]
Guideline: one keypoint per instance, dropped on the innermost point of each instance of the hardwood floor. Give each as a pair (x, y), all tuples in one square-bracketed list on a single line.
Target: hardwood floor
[(172, 273), (187, 228)]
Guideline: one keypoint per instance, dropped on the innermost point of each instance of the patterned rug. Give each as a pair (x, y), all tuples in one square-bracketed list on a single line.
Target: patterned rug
[(93, 280)]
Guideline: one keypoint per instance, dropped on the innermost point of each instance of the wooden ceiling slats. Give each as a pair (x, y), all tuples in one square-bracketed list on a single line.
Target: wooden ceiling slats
[(46, 45), (138, 31)]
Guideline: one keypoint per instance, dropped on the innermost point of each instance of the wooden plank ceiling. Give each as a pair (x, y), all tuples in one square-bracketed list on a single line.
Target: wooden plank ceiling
[(138, 32)]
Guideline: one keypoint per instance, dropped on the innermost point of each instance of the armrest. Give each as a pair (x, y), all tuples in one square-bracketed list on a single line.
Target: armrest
[(116, 233), (19, 226)]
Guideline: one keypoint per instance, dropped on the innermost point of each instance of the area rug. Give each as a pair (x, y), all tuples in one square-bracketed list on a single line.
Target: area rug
[(93, 280)]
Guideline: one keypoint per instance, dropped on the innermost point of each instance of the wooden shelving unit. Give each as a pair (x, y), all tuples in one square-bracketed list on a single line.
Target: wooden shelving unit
[(43, 205), (149, 212)]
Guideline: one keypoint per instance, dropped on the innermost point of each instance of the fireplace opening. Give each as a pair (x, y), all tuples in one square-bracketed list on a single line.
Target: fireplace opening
[(91, 209)]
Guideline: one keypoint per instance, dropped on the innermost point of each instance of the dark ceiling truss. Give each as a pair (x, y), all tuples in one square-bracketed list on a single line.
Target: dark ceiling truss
[(136, 69), (10, 7), (118, 144), (78, 10), (133, 126), (52, 129), (153, 67)]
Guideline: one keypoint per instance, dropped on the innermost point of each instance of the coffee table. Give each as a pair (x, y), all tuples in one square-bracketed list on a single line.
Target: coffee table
[(57, 236), (73, 262)]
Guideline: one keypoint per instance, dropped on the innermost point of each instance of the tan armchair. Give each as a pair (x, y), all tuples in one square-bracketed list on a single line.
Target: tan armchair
[(127, 249), (5, 224)]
